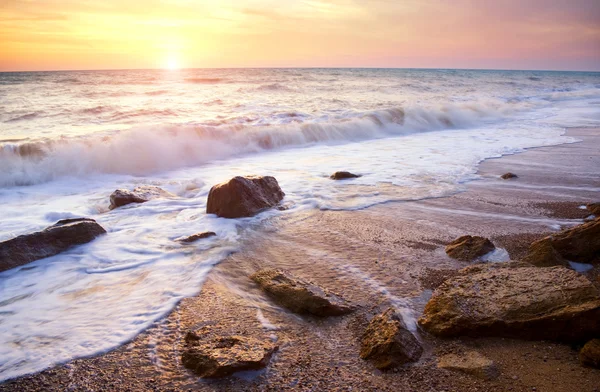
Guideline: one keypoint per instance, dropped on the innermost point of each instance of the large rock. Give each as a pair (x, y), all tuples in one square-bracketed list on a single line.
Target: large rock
[(469, 247), (590, 354), (141, 194), (470, 362), (300, 296), (343, 175), (594, 208), (515, 300), (57, 238), (580, 243), (243, 196), (388, 343), (225, 355)]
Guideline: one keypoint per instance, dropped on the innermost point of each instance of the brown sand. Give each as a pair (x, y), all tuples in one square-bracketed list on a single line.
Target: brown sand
[(390, 254)]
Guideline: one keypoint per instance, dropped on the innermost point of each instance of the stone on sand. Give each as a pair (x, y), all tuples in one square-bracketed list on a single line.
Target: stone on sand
[(300, 296), (508, 176), (141, 194), (53, 240), (243, 196), (343, 175), (197, 236), (515, 300), (470, 362), (388, 343), (467, 247), (590, 354)]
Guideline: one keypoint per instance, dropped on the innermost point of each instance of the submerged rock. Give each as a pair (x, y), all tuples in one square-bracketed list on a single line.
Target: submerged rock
[(469, 247), (53, 240), (515, 300), (580, 244), (198, 236), (343, 175), (590, 354), (388, 343), (508, 176), (141, 194), (472, 363), (243, 196), (225, 355), (300, 296)]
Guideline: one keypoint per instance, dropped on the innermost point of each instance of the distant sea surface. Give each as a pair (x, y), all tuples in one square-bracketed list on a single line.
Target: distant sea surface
[(68, 139)]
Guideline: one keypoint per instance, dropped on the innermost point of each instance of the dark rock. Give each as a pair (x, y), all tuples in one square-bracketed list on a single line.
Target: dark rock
[(141, 194), (470, 362), (198, 236), (594, 208), (580, 243), (590, 354), (508, 176), (388, 343), (225, 355), (515, 300), (300, 296), (55, 239), (468, 247), (343, 175), (243, 196)]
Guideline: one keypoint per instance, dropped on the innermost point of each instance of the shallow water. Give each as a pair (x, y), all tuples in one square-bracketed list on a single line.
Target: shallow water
[(71, 138)]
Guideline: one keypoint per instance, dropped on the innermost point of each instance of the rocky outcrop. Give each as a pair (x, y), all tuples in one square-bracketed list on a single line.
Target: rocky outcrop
[(469, 247), (580, 243), (300, 296), (343, 175), (243, 196), (141, 194), (590, 354), (53, 240), (388, 343), (224, 355), (197, 236), (470, 362), (515, 300), (508, 176), (594, 208)]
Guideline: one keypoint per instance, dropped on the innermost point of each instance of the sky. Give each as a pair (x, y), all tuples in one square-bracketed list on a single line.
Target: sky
[(108, 34)]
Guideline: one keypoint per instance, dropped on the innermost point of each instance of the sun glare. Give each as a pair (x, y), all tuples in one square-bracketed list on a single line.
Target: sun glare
[(172, 63)]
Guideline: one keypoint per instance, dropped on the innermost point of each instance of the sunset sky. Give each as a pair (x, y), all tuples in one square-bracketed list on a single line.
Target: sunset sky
[(107, 34)]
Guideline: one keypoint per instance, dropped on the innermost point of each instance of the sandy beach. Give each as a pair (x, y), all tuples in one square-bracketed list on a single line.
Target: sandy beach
[(391, 254)]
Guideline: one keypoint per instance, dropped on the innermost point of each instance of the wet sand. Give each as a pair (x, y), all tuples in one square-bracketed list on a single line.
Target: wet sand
[(387, 255)]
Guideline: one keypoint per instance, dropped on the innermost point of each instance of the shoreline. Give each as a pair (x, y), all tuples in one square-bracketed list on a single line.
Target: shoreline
[(373, 257)]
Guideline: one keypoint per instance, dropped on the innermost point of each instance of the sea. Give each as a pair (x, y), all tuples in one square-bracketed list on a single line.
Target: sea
[(69, 139)]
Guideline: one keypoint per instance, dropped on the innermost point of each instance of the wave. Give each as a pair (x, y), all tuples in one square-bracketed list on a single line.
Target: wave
[(27, 116), (146, 150), (204, 80)]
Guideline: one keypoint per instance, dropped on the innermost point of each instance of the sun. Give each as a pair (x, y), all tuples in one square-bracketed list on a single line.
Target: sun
[(172, 63)]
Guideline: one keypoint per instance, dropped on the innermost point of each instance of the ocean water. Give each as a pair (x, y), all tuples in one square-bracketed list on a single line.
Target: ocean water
[(68, 139)]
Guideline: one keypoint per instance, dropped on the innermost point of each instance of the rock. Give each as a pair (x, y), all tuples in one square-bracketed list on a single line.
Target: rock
[(590, 354), (515, 300), (508, 176), (472, 363), (343, 175), (141, 194), (580, 243), (300, 296), (388, 343), (225, 355), (468, 247), (243, 196), (198, 236), (594, 208), (542, 254), (54, 239)]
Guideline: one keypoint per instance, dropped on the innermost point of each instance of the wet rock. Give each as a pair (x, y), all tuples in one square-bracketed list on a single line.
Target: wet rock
[(590, 354), (594, 208), (197, 236), (470, 362), (243, 196), (141, 194), (468, 247), (508, 176), (343, 175), (515, 300), (53, 240), (225, 355), (388, 343), (300, 296), (580, 243)]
